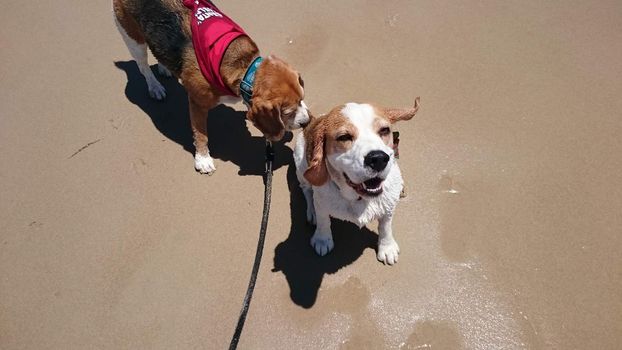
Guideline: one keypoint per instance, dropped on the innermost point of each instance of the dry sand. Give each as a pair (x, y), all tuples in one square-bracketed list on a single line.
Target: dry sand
[(510, 235)]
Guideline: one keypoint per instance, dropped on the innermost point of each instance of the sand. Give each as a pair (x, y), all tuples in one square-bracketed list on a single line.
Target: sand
[(510, 234)]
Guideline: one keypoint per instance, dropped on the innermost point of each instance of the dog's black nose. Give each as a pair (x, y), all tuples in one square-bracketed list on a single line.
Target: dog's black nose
[(376, 160)]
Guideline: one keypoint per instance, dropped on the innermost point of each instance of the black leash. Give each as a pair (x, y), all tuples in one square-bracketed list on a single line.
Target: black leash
[(262, 237)]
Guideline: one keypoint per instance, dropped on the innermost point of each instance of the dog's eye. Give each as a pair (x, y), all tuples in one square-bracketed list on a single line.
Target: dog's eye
[(384, 131), (300, 81), (344, 138), (288, 112)]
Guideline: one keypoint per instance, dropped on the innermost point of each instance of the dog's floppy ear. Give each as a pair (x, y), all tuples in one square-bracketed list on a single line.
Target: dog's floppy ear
[(315, 135), (266, 116), (397, 114)]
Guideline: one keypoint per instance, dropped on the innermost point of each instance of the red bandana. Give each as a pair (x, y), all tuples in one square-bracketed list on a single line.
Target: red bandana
[(212, 32)]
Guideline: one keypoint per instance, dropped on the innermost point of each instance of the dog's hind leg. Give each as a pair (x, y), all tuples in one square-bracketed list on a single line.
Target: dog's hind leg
[(163, 71), (138, 49)]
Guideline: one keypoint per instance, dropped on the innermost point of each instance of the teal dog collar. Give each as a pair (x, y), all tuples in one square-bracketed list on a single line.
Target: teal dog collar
[(246, 85)]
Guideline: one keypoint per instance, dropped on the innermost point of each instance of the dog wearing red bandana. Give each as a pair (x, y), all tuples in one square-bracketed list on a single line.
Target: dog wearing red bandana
[(214, 59)]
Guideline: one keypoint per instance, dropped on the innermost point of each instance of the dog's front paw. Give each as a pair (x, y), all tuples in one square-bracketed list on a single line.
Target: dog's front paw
[(322, 243), (156, 90), (204, 164), (388, 252)]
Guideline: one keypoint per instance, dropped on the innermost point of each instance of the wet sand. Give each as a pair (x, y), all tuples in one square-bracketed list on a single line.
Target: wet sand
[(510, 234)]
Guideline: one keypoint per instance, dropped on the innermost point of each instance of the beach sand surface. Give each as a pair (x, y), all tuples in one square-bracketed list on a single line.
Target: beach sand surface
[(510, 235)]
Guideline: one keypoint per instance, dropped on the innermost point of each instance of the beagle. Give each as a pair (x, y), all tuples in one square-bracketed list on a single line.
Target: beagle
[(214, 59), (346, 167)]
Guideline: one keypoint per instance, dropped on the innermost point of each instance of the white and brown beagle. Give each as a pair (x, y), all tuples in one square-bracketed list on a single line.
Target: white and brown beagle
[(346, 166), (171, 29)]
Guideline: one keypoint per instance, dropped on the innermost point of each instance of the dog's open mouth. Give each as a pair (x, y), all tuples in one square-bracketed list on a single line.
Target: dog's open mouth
[(371, 187)]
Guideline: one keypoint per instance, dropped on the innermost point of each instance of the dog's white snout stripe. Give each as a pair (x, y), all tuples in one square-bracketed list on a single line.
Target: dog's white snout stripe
[(302, 115)]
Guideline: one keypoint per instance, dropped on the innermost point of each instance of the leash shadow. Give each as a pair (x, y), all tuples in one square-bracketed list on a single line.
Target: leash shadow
[(229, 137), (296, 259)]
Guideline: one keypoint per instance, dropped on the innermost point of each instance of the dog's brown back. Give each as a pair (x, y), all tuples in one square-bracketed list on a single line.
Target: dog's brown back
[(162, 24)]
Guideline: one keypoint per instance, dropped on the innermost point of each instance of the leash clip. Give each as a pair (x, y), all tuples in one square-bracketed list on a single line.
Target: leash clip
[(269, 155)]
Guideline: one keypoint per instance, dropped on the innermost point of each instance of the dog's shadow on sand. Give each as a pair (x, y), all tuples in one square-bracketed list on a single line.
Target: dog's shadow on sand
[(229, 137), (296, 259), (230, 140)]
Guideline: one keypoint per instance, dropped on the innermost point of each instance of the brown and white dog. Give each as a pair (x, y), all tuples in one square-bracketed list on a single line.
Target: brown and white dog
[(346, 167), (164, 26)]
